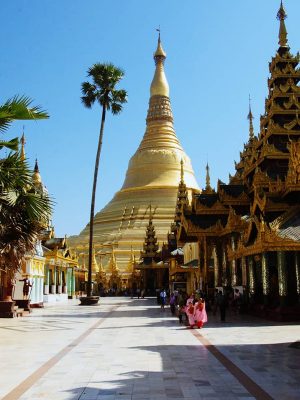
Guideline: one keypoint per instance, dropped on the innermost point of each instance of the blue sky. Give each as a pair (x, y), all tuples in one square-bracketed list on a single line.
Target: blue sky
[(217, 54)]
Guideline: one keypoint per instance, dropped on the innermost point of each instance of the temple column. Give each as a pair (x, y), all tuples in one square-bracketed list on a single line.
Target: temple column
[(282, 277), (251, 276), (244, 271), (205, 265), (265, 274), (216, 266), (224, 268), (233, 264), (297, 269)]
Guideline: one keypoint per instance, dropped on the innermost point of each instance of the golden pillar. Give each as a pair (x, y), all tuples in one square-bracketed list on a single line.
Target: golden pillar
[(251, 276), (216, 265), (282, 277), (233, 264), (265, 276)]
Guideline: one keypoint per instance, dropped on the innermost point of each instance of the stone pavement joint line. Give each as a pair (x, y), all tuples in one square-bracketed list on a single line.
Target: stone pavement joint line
[(244, 379), (19, 390)]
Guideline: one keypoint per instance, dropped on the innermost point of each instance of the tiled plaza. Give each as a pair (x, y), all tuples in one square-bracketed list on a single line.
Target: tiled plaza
[(129, 349)]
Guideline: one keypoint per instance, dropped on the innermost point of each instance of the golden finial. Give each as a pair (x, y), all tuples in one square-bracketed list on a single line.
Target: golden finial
[(23, 142), (181, 172), (159, 85), (208, 187), (250, 117), (281, 16), (159, 55)]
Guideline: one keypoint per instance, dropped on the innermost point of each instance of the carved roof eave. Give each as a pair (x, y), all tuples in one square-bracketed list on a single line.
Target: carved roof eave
[(264, 243), (279, 59), (228, 200), (182, 234), (216, 208), (194, 230)]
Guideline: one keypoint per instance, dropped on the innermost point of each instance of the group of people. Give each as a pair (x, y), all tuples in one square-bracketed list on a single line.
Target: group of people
[(196, 312), (191, 310)]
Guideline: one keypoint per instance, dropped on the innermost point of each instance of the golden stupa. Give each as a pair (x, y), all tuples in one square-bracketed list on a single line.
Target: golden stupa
[(152, 178)]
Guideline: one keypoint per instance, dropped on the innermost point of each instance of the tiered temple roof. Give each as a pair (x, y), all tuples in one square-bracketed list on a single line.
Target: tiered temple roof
[(267, 178)]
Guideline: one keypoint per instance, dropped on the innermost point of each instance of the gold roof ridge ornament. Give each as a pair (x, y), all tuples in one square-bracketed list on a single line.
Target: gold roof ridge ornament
[(208, 187), (250, 117), (159, 85), (281, 16)]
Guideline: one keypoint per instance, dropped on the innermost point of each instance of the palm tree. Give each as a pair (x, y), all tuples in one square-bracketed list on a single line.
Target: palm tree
[(23, 209), (104, 77)]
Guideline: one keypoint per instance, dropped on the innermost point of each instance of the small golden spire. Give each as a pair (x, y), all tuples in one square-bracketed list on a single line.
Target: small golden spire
[(23, 142), (208, 187), (281, 16), (250, 117), (159, 85), (36, 177), (181, 172)]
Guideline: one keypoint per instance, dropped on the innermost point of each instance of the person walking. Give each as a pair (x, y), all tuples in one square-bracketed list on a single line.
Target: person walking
[(172, 303), (163, 298), (200, 314)]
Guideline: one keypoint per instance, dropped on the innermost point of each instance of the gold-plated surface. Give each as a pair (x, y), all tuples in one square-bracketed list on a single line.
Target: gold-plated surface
[(152, 177), (159, 85)]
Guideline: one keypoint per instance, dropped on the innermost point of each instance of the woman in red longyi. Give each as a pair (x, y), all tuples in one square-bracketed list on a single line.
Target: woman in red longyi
[(200, 314)]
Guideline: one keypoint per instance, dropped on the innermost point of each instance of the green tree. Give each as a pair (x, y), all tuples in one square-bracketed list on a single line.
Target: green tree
[(102, 90), (24, 209)]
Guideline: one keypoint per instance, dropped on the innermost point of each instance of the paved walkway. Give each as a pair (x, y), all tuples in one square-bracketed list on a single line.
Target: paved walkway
[(130, 349)]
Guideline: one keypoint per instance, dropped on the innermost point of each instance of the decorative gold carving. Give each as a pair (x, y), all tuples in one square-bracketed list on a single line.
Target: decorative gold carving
[(260, 178), (277, 186), (293, 123), (292, 101), (293, 176)]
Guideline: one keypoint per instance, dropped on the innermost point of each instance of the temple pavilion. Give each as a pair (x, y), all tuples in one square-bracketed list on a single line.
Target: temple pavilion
[(248, 231)]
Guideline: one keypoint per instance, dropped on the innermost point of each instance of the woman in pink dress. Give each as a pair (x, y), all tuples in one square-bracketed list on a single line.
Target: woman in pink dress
[(200, 315), (190, 310)]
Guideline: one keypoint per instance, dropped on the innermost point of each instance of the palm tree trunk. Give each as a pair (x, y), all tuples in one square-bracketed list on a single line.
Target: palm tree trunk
[(89, 286)]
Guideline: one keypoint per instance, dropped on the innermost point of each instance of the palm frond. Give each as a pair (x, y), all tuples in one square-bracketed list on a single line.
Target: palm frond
[(116, 108), (13, 144), (19, 108)]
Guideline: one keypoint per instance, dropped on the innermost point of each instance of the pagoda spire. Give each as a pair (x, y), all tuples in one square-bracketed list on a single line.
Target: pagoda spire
[(281, 16), (207, 187), (36, 177), (23, 142), (156, 161), (159, 85), (182, 195), (150, 245), (250, 117)]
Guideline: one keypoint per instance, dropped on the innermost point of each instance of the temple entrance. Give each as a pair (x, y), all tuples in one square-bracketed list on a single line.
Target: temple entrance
[(153, 279)]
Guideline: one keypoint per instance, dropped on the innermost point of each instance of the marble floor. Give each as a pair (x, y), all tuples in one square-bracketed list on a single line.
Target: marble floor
[(129, 349)]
